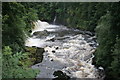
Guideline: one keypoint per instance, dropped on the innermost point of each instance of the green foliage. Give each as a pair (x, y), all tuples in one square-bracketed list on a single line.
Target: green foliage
[(17, 21), (105, 40), (115, 64), (108, 36), (11, 65), (78, 15)]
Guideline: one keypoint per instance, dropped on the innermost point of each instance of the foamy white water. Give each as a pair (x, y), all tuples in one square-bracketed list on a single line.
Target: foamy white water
[(71, 54), (41, 26)]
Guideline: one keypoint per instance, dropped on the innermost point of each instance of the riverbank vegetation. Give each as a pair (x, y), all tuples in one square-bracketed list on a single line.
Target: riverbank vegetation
[(101, 18), (16, 22)]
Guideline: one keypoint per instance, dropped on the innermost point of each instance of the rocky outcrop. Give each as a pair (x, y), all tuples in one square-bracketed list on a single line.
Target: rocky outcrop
[(39, 55), (36, 54)]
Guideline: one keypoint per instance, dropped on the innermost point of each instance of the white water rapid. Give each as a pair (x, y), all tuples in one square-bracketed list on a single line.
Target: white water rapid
[(66, 50)]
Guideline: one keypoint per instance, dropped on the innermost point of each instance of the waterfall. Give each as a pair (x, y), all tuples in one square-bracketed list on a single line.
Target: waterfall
[(54, 20)]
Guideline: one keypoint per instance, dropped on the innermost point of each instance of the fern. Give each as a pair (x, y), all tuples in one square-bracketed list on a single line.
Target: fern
[(11, 65)]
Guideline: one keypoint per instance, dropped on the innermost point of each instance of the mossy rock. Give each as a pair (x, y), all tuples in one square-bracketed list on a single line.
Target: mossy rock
[(31, 49), (36, 54), (39, 55)]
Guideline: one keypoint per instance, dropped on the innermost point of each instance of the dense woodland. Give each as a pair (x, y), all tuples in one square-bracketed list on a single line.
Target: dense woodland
[(101, 18)]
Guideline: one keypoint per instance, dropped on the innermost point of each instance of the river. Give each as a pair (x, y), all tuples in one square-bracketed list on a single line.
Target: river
[(68, 51)]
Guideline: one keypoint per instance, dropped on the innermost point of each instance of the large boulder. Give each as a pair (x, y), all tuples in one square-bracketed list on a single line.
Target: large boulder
[(40, 34), (60, 75), (36, 54), (39, 55)]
